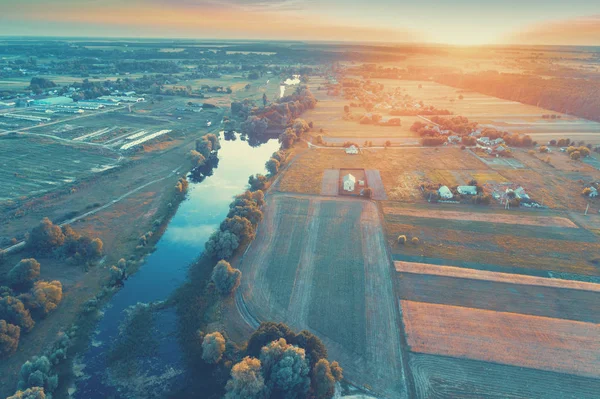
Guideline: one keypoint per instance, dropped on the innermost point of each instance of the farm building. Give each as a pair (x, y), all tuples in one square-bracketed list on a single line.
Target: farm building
[(467, 190), (53, 101), (348, 182), (352, 150), (445, 192)]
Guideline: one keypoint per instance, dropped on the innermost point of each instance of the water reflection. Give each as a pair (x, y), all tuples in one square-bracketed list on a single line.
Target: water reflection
[(207, 204)]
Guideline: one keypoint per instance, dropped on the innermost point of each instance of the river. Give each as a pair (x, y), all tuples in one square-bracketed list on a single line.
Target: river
[(206, 205)]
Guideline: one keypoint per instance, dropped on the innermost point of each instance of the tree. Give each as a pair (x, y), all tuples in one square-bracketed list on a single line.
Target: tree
[(266, 333), (287, 138), (415, 240), (323, 382), (401, 239), (29, 393), (285, 369), (337, 371), (240, 226), (24, 273), (543, 149), (9, 338), (575, 155), (196, 158), (225, 277), (388, 143), (213, 347), (368, 192), (300, 126), (272, 166), (246, 381), (45, 237), (37, 373), (264, 98), (221, 244), (44, 297), (13, 311), (257, 182), (250, 212)]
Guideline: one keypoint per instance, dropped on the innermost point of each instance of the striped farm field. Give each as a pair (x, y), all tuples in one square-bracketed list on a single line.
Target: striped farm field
[(503, 292), (563, 346), (554, 221)]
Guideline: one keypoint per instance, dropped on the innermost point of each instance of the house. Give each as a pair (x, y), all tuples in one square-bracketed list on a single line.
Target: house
[(467, 190), (445, 192), (453, 139), (361, 182), (484, 141), (593, 192), (352, 150), (520, 193), (348, 182)]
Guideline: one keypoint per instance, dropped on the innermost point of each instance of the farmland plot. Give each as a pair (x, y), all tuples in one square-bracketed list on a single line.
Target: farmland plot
[(441, 377), (320, 264), (544, 343), (21, 160)]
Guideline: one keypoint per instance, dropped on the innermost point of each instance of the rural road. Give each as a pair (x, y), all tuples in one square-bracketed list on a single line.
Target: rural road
[(115, 201)]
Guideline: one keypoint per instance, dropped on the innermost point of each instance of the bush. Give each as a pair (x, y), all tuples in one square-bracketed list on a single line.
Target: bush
[(9, 338), (24, 273), (14, 312), (225, 277), (415, 240), (213, 347), (401, 239)]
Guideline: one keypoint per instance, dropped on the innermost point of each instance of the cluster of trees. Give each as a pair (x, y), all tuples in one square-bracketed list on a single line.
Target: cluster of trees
[(276, 116), (49, 239), (292, 134), (204, 158), (428, 110), (577, 153), (277, 363), (26, 297), (570, 96), (239, 227), (38, 85), (225, 278)]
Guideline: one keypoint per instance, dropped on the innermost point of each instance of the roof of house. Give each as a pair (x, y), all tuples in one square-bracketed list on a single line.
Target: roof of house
[(467, 189), (445, 192), (349, 177)]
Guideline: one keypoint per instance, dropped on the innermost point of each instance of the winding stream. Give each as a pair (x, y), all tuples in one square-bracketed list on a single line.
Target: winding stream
[(207, 204)]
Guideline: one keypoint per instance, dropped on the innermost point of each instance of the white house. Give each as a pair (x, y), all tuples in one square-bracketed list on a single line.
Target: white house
[(349, 181), (352, 150), (445, 192), (467, 190)]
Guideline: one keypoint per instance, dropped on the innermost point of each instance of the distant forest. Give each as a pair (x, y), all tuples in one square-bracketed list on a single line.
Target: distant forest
[(577, 97)]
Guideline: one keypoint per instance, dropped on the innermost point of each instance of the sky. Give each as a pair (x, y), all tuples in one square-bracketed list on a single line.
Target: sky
[(461, 22)]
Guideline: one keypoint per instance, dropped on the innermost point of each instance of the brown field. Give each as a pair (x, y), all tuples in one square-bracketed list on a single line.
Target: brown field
[(340, 289), (395, 166), (536, 342), (482, 217)]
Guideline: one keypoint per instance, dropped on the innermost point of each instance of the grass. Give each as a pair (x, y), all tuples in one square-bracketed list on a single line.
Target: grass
[(337, 307)]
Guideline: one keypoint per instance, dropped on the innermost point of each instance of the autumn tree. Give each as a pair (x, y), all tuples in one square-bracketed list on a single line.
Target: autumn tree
[(240, 226), (14, 312), (213, 347), (246, 381), (44, 297), (29, 393), (257, 182), (9, 338), (45, 237)]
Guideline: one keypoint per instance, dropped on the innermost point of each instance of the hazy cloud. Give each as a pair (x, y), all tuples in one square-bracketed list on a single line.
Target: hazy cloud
[(582, 30)]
